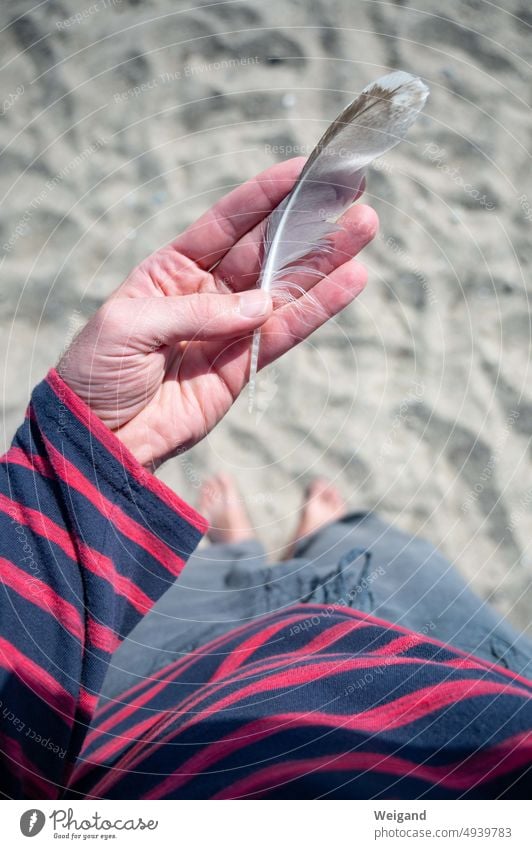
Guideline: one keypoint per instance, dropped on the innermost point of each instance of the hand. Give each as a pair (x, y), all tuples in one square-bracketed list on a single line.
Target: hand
[(163, 360)]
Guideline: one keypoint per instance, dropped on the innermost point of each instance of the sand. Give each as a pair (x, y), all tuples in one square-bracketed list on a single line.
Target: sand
[(123, 121)]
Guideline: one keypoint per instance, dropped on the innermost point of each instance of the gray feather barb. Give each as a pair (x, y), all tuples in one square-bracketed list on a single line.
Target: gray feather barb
[(300, 228)]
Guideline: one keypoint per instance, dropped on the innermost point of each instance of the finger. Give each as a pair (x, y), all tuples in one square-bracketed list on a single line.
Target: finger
[(211, 236), (290, 324), (151, 323), (240, 267), (296, 321)]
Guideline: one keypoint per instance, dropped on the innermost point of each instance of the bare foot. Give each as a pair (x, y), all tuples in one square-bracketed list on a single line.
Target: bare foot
[(323, 504), (223, 507)]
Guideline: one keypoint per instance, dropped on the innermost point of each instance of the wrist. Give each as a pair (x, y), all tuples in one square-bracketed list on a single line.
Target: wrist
[(149, 447)]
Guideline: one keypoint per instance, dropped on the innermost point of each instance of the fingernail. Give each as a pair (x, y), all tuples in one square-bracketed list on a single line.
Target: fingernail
[(254, 303)]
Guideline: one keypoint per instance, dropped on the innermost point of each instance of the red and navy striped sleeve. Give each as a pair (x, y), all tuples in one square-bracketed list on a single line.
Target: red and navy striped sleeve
[(315, 702), (306, 702), (89, 541)]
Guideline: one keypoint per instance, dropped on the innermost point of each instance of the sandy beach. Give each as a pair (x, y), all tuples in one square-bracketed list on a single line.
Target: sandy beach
[(121, 122)]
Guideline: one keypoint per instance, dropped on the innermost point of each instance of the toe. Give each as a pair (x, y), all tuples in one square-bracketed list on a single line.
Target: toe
[(207, 494), (228, 486), (317, 488)]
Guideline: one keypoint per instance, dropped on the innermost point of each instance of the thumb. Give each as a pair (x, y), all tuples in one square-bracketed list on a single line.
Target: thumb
[(168, 320)]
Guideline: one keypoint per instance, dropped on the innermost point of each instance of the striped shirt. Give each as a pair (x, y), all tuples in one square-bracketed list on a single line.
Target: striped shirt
[(307, 702)]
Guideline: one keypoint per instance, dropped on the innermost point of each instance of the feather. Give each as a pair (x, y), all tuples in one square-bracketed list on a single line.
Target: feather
[(299, 230)]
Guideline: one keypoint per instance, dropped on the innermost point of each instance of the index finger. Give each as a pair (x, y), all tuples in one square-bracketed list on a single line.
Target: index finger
[(216, 231)]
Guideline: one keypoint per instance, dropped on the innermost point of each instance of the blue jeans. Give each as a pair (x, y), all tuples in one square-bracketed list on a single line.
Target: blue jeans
[(359, 561)]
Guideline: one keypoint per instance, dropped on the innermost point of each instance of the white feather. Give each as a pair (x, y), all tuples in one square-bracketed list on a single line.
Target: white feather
[(300, 228)]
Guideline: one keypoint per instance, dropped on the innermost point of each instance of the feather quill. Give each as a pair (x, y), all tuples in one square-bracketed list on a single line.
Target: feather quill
[(301, 227)]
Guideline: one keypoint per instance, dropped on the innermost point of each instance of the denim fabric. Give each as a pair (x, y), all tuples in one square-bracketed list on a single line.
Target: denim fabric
[(360, 562)]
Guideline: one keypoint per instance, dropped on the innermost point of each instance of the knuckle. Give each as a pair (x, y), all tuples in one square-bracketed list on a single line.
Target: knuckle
[(200, 310), (108, 320)]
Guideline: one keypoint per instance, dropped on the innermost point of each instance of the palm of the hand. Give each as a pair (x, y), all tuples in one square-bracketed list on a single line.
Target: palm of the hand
[(162, 394), (188, 387)]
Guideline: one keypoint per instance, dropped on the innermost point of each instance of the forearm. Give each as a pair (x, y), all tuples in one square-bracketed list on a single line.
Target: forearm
[(88, 542)]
